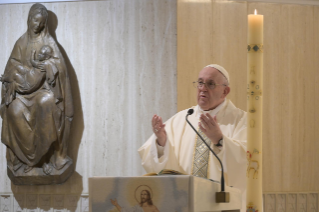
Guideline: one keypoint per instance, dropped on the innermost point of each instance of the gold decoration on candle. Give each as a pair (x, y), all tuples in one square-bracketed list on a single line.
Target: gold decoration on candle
[(252, 123), (252, 70), (252, 110), (252, 164), (251, 207), (255, 48), (254, 93)]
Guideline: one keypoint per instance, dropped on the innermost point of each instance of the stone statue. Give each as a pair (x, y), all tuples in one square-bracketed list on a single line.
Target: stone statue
[(36, 107)]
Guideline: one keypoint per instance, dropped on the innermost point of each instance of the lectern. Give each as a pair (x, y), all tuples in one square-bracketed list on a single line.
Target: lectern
[(168, 193)]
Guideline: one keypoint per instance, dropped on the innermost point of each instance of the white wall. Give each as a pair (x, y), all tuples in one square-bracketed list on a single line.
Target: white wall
[(122, 61)]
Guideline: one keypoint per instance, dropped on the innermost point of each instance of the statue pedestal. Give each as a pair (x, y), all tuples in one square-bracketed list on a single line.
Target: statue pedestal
[(37, 177)]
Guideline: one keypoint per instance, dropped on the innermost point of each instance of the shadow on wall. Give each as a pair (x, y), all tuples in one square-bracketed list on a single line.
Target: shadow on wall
[(78, 122), (65, 195)]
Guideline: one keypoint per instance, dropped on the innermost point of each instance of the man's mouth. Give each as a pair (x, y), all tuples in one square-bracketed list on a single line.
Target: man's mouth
[(202, 96)]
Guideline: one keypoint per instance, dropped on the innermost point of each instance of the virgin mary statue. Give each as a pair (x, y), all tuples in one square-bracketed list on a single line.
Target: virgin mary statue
[(36, 120)]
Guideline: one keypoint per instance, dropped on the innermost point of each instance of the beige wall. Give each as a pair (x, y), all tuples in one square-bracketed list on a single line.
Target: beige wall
[(215, 32)]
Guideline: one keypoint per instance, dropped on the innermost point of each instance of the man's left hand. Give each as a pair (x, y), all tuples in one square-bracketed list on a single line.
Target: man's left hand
[(210, 128)]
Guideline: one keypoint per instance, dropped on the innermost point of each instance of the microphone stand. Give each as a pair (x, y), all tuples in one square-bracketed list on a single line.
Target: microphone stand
[(222, 196)]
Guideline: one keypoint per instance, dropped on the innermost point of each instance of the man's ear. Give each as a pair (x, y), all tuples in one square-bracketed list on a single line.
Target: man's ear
[(226, 91)]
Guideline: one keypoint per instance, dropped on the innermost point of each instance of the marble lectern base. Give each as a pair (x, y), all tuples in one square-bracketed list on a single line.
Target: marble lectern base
[(37, 177), (168, 193)]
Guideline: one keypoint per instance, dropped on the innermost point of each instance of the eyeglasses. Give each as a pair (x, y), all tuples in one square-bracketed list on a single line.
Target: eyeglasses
[(210, 85)]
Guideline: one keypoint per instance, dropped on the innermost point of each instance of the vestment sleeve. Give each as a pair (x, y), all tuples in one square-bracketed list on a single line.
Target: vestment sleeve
[(154, 160), (150, 155), (233, 155), (160, 150)]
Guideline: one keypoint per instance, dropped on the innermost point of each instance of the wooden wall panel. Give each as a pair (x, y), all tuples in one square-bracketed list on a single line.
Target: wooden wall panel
[(291, 81), (193, 49), (298, 131), (315, 143), (298, 61), (230, 46), (210, 33)]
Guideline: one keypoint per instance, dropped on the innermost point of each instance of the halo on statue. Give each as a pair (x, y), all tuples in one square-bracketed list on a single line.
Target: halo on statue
[(141, 188)]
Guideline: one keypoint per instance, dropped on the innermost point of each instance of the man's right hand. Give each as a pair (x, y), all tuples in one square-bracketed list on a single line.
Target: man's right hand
[(159, 130)]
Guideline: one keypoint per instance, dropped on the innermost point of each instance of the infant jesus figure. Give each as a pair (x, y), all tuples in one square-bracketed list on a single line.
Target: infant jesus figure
[(25, 81)]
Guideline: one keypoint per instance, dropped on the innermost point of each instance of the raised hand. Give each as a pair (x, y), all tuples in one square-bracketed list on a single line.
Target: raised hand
[(159, 130), (209, 126), (114, 202)]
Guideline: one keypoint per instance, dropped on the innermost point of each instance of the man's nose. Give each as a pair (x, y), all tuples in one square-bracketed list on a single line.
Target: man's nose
[(203, 87)]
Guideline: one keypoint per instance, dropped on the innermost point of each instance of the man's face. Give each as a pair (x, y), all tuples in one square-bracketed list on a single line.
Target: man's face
[(144, 197), (209, 99)]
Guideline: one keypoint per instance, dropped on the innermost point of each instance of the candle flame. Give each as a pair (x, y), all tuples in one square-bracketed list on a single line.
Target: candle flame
[(255, 12)]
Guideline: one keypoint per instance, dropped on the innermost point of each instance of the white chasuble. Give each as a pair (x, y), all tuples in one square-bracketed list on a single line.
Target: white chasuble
[(178, 152)]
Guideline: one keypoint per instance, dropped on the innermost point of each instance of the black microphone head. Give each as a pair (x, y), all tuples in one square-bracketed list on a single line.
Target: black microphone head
[(190, 111)]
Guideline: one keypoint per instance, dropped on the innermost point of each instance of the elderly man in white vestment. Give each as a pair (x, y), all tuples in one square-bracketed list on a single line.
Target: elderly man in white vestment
[(174, 145)]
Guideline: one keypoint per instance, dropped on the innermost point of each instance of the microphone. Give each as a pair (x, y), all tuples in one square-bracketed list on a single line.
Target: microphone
[(190, 112), (220, 196)]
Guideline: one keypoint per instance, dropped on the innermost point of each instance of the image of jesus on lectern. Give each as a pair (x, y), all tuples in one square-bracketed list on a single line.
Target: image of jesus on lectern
[(145, 204)]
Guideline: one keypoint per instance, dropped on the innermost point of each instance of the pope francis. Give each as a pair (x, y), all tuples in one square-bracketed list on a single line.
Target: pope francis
[(174, 145)]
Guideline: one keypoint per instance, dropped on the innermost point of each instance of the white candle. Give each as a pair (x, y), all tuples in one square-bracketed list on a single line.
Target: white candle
[(254, 112), (255, 28)]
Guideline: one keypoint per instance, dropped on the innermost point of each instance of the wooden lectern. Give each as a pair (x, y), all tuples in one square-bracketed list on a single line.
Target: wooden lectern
[(167, 193)]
